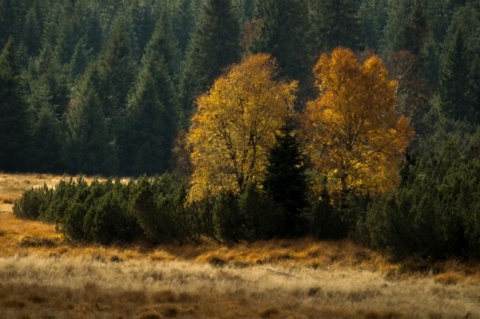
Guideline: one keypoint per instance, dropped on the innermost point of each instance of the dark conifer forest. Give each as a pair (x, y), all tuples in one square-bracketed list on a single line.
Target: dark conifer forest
[(124, 89)]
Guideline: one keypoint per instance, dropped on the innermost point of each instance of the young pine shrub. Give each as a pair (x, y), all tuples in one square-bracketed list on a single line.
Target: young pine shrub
[(33, 203), (434, 215), (110, 218), (158, 206), (252, 215), (61, 198), (325, 221), (71, 221), (264, 218), (227, 222), (201, 217)]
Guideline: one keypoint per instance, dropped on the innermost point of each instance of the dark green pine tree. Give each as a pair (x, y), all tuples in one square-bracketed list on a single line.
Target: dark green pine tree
[(116, 68), (59, 30), (474, 88), (46, 142), (213, 47), (88, 146), (337, 25), (8, 20), (49, 76), (143, 25), (184, 22), (31, 32), (146, 139), (372, 19), (455, 101), (80, 59), (416, 29), (88, 27), (398, 13), (14, 120), (281, 30), (286, 180), (245, 10)]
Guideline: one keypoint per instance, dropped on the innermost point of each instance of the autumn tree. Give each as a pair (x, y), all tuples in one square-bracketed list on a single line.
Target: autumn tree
[(235, 125), (353, 133)]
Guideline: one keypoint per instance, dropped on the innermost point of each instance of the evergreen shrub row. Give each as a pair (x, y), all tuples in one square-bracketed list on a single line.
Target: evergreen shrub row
[(111, 211), (155, 209), (434, 214)]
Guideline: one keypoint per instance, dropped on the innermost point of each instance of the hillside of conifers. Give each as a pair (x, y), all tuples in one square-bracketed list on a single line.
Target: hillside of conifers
[(236, 122)]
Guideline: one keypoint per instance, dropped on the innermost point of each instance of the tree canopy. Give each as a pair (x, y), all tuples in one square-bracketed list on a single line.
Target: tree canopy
[(353, 133), (235, 125)]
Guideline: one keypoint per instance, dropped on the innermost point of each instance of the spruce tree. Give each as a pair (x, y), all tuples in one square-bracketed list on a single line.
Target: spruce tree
[(14, 122), (88, 27), (286, 181), (454, 80), (49, 75), (184, 22), (246, 10), (337, 24), (46, 142), (398, 13), (31, 32), (143, 25), (213, 47), (114, 74), (372, 22), (416, 29), (282, 31), (116, 69), (8, 21), (146, 138), (474, 87), (88, 145), (79, 61)]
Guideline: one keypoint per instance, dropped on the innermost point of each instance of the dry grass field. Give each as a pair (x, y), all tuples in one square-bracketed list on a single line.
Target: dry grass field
[(41, 276)]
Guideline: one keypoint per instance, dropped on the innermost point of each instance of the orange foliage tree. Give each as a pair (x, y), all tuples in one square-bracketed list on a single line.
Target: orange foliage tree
[(235, 125), (353, 133)]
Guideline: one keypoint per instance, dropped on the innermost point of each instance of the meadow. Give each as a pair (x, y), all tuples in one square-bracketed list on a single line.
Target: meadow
[(44, 276)]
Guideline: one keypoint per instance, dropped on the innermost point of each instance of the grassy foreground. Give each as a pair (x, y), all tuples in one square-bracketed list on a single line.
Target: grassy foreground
[(42, 276)]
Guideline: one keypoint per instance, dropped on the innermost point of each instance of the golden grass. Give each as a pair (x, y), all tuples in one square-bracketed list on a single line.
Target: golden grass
[(85, 288), (42, 276)]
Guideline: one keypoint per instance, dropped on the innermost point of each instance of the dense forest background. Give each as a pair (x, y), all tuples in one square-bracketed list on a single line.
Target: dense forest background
[(103, 87), (109, 88)]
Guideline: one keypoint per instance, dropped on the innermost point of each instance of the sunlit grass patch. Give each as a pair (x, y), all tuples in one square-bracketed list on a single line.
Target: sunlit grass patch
[(449, 278)]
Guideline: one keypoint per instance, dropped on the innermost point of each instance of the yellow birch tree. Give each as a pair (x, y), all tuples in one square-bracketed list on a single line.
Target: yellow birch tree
[(235, 125), (353, 133)]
